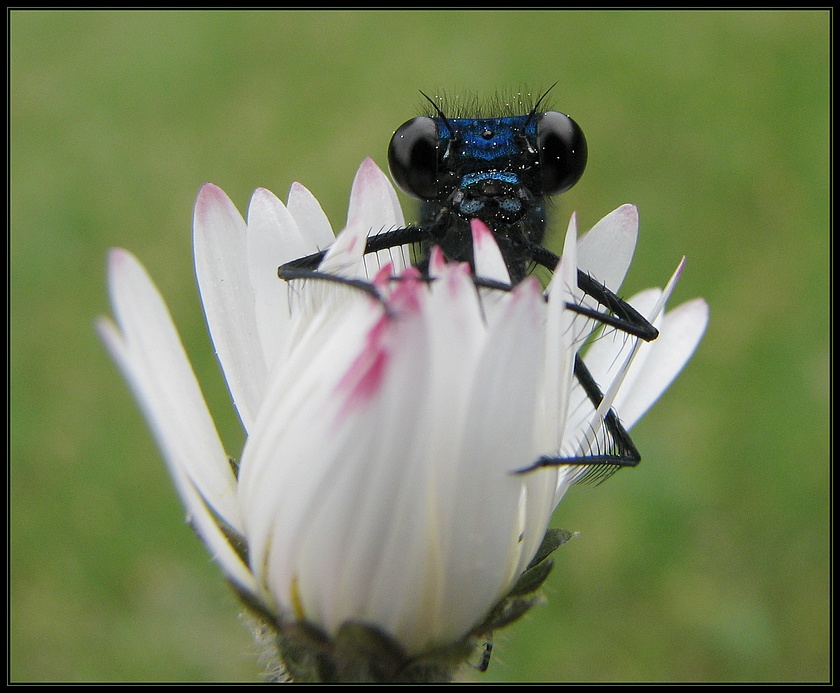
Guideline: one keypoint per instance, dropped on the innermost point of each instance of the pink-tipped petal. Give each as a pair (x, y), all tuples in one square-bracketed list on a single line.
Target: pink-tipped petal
[(224, 281), (373, 200), (374, 208), (437, 262), (489, 263)]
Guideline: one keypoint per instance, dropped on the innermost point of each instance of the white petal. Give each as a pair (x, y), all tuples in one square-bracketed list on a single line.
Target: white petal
[(479, 388), (276, 230), (638, 372), (372, 523), (437, 262), (373, 201), (680, 333), (489, 263), (456, 325), (541, 488), (310, 219), (297, 458), (607, 357), (276, 236), (609, 361), (288, 454), (439, 470), (224, 281), (560, 348), (434, 489), (374, 208), (582, 326), (273, 238), (632, 354), (345, 257), (206, 526), (607, 249), (146, 347), (497, 438)]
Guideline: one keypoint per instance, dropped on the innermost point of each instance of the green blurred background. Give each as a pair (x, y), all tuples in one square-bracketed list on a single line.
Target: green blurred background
[(709, 562)]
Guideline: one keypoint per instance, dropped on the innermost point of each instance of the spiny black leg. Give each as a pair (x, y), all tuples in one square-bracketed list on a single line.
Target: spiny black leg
[(629, 319), (375, 243), (625, 318), (621, 314), (621, 452), (289, 273), (394, 238)]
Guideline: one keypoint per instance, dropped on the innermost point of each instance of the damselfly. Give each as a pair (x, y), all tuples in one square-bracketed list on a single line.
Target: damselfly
[(500, 170)]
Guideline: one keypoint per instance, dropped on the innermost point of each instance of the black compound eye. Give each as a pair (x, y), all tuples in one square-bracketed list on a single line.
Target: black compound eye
[(413, 158), (562, 150)]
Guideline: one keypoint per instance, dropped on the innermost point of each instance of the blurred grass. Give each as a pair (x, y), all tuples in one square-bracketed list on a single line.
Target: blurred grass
[(710, 562)]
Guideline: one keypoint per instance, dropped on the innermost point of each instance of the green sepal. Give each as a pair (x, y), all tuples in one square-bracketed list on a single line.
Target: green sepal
[(360, 653), (304, 652), (506, 612), (532, 579), (553, 540), (521, 596)]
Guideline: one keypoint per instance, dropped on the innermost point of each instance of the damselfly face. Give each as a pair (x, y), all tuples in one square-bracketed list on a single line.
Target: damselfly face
[(498, 170)]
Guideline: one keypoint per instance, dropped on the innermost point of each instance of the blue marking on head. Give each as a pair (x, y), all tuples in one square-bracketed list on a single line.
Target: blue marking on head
[(488, 139), (504, 176)]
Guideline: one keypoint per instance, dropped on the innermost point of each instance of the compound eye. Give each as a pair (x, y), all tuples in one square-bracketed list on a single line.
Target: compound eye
[(562, 151), (413, 158)]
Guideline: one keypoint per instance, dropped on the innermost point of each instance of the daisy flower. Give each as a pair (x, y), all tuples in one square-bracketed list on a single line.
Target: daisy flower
[(379, 521)]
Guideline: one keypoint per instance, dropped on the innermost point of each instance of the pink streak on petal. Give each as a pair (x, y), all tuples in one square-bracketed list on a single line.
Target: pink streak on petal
[(528, 287), (117, 259), (411, 273), (370, 190), (383, 276), (369, 172), (209, 196), (481, 233), (436, 261), (454, 277), (364, 377), (407, 296), (679, 270)]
